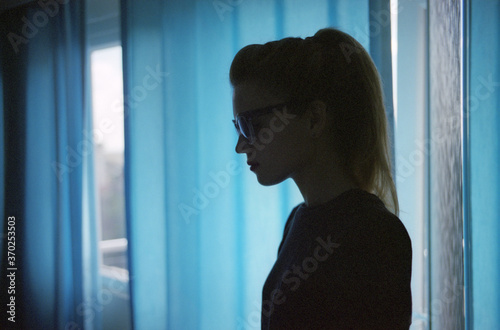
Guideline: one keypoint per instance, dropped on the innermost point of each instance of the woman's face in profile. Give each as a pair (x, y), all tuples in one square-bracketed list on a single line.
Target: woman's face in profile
[(281, 147)]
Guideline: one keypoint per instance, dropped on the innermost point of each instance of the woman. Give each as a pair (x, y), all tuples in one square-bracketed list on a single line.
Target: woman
[(312, 110)]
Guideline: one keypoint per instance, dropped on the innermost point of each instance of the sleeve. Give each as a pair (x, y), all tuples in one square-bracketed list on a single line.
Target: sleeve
[(386, 258)]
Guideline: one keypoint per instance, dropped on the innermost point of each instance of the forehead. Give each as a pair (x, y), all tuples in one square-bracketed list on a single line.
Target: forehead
[(250, 96)]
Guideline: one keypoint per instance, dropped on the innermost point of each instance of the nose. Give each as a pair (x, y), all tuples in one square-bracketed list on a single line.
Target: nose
[(240, 144)]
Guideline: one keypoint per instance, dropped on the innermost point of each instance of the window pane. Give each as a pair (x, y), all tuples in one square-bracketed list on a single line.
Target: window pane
[(107, 91)]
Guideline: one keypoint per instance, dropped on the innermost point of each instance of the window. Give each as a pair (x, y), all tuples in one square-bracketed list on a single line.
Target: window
[(107, 110), (106, 77), (409, 47)]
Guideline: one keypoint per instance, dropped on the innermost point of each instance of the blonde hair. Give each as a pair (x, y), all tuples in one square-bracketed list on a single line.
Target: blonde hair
[(332, 67)]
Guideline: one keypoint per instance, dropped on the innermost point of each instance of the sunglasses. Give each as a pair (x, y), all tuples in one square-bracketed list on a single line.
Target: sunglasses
[(243, 121)]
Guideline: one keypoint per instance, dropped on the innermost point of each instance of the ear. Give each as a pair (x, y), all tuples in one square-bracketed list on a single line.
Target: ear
[(317, 117)]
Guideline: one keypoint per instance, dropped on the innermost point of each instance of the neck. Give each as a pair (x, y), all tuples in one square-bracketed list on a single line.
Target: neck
[(322, 181)]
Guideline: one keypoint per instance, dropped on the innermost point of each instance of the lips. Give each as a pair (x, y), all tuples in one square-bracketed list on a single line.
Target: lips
[(253, 165)]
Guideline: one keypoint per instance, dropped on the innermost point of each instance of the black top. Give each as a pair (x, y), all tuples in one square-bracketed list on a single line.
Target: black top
[(345, 264)]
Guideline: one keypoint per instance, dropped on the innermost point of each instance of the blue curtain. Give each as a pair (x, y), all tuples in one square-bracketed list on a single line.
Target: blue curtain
[(45, 145), (483, 178), (203, 234)]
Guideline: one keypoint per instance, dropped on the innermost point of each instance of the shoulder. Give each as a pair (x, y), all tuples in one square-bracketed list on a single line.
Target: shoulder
[(372, 220), (385, 230), (374, 234)]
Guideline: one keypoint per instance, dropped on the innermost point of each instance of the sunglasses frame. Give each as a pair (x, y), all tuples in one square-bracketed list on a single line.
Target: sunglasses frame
[(247, 116)]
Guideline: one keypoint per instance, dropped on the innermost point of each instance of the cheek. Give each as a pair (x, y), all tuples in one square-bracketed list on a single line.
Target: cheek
[(286, 147), (272, 130), (281, 158)]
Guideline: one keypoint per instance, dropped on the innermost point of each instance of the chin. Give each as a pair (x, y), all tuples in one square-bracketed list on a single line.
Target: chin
[(269, 180)]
